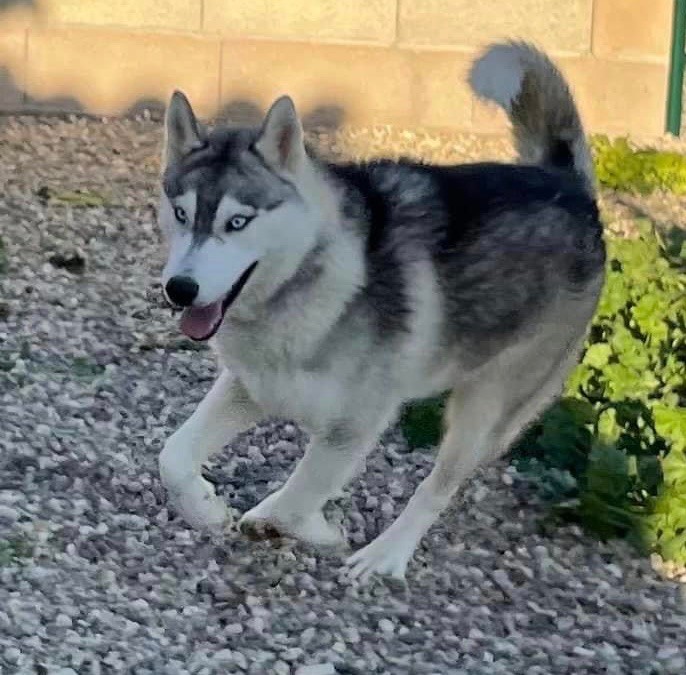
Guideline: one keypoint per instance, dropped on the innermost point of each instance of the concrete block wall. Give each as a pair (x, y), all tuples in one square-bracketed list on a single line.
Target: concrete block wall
[(358, 62)]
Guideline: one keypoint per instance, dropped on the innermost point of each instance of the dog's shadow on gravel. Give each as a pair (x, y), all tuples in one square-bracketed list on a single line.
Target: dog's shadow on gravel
[(259, 462)]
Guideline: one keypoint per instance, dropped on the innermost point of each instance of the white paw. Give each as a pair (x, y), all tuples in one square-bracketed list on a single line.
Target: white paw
[(271, 519), (198, 504), (385, 555)]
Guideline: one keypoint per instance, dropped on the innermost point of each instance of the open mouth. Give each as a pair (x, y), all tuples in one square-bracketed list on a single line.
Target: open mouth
[(201, 323)]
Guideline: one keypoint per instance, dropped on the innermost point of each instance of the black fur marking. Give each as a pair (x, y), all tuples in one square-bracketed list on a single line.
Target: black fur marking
[(385, 292), (560, 155), (504, 239)]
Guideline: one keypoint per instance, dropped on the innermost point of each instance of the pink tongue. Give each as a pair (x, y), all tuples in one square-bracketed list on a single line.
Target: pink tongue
[(199, 322)]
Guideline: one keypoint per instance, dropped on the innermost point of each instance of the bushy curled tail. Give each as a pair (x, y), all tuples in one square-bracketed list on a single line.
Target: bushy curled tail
[(545, 121)]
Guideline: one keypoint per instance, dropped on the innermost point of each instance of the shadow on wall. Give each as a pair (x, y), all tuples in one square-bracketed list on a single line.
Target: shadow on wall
[(11, 4), (327, 117), (236, 112), (118, 91), (18, 100), (22, 9)]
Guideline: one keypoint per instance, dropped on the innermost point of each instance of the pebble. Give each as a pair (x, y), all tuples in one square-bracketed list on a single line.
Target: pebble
[(63, 621), (386, 626), (8, 514), (281, 668), (12, 654), (317, 669), (292, 654)]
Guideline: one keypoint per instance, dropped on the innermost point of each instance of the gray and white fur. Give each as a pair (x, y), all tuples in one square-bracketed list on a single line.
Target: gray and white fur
[(335, 293)]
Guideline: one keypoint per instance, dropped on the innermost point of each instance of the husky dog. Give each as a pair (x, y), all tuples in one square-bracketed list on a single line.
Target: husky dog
[(334, 293)]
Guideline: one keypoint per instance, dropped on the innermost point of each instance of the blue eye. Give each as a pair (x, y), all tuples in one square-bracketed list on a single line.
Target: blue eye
[(180, 215), (237, 222)]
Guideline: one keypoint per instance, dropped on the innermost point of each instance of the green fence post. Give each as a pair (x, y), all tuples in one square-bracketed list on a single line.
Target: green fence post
[(676, 69)]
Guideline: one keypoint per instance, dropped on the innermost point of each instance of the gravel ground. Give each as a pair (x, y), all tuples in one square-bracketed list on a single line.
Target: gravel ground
[(96, 576)]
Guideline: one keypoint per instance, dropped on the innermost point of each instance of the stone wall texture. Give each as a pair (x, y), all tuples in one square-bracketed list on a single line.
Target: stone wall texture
[(357, 62)]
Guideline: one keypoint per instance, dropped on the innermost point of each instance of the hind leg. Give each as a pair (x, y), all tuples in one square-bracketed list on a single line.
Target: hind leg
[(483, 419)]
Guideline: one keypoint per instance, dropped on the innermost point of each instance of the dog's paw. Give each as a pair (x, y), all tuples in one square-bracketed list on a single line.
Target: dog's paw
[(384, 556), (269, 520), (198, 504)]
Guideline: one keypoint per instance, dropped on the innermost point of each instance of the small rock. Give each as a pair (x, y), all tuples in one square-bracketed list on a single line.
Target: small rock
[(240, 660), (140, 606), (667, 652), (292, 654), (5, 621), (307, 635), (351, 634), (223, 655), (480, 493), (675, 665), (387, 510), (63, 621), (386, 626), (281, 668), (317, 669), (8, 514), (256, 624), (12, 654), (648, 604), (564, 623)]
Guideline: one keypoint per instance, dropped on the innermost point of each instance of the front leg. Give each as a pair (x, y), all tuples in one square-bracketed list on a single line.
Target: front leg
[(226, 410), (332, 457)]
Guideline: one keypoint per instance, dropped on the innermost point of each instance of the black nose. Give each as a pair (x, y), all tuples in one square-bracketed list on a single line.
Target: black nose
[(182, 290)]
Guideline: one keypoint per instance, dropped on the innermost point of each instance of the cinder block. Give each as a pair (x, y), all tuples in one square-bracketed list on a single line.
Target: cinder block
[(12, 68), (360, 85), (109, 71), (619, 97), (325, 20), (632, 29), (174, 14), (442, 97), (488, 118), (559, 26)]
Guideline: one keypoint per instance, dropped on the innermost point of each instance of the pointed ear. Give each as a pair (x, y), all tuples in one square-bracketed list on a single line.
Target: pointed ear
[(281, 138), (182, 130)]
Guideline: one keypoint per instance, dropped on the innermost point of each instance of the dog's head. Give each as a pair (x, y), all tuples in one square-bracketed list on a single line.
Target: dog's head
[(232, 210)]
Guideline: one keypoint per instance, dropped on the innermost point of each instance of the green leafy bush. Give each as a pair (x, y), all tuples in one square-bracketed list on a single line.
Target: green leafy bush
[(611, 454), (621, 167)]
